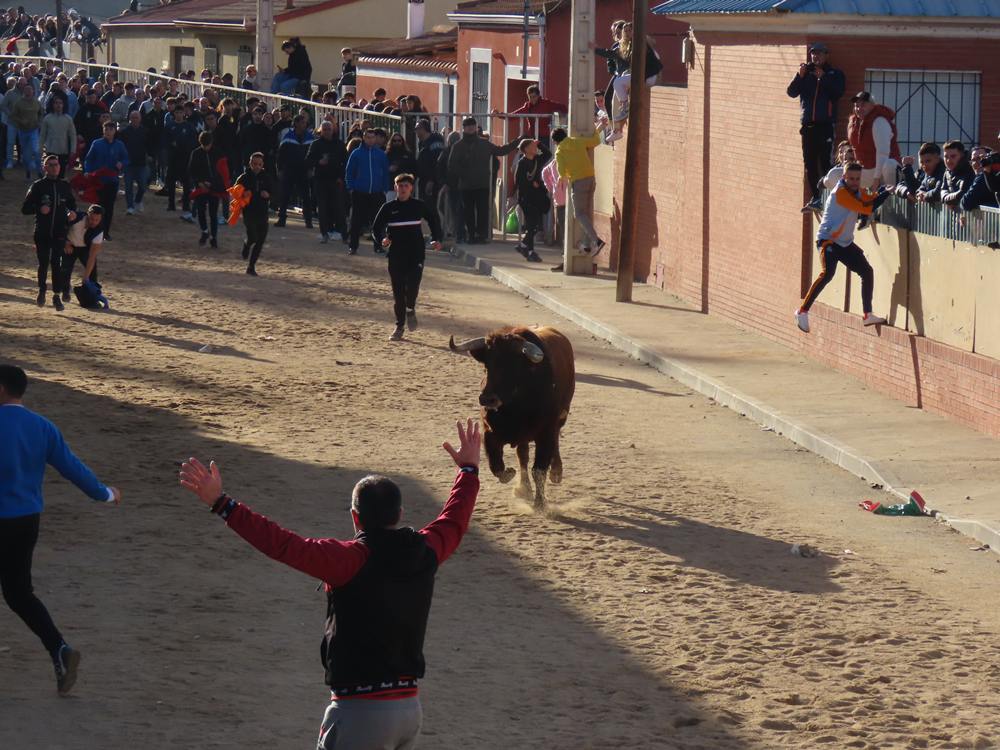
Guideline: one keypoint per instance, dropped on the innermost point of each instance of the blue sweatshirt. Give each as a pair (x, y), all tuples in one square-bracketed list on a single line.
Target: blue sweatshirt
[(29, 443), (367, 170), (104, 155)]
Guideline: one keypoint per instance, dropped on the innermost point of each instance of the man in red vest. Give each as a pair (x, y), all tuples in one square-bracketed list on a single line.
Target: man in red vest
[(871, 130)]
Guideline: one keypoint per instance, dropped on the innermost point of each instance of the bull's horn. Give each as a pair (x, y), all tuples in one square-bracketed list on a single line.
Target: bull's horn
[(533, 352), (466, 346)]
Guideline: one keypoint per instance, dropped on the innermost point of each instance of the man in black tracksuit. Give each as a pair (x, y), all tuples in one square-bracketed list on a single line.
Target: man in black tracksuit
[(51, 200), (818, 85), (258, 182), (326, 158), (405, 243), (292, 168)]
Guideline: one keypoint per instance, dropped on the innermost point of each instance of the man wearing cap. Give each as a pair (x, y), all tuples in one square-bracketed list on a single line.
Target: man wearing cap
[(818, 85), (871, 131)]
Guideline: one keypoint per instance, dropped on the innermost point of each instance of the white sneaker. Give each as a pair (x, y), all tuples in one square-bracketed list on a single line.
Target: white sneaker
[(187, 216), (130, 211), (324, 238), (802, 319), (874, 320)]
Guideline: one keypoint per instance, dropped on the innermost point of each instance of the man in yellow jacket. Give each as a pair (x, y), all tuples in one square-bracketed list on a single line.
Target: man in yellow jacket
[(575, 163)]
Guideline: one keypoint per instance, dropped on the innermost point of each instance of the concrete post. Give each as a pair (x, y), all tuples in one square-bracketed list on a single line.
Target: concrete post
[(264, 53), (581, 117)]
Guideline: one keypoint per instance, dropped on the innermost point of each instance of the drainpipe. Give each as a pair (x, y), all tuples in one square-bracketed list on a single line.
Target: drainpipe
[(541, 50)]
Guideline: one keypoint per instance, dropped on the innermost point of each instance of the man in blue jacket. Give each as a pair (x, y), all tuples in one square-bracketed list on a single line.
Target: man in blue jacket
[(30, 442), (294, 170), (367, 177), (818, 85), (110, 157)]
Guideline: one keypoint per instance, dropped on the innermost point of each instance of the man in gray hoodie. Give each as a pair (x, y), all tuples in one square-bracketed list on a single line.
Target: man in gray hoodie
[(120, 107), (58, 135)]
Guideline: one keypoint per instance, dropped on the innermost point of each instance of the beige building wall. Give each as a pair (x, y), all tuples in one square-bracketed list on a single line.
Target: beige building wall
[(154, 47)]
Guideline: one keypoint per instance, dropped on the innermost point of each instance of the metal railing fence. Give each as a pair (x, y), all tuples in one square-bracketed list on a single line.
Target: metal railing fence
[(979, 227)]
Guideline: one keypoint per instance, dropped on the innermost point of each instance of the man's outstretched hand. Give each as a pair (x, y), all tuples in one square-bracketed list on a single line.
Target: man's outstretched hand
[(205, 483), (469, 440)]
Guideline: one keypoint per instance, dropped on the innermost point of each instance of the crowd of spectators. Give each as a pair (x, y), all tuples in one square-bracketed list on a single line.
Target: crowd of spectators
[(40, 35), (128, 137), (951, 175)]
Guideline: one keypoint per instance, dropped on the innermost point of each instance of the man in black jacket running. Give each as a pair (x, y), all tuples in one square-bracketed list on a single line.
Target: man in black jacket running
[(405, 243), (51, 200), (258, 182)]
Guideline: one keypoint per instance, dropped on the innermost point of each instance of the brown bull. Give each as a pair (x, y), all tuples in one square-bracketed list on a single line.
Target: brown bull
[(526, 394)]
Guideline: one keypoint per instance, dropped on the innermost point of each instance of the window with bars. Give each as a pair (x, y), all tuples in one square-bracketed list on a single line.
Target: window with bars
[(930, 105), (244, 57), (212, 59)]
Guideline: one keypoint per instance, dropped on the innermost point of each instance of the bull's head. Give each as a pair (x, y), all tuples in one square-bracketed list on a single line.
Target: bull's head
[(510, 362)]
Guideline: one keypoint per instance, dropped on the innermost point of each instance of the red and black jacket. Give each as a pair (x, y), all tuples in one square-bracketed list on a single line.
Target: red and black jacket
[(379, 588)]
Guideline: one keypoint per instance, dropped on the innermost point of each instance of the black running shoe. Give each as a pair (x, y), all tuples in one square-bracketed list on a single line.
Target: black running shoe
[(40, 299), (246, 251), (411, 320), (352, 251), (279, 223), (203, 239), (65, 295), (66, 663), (214, 243), (57, 303), (251, 271)]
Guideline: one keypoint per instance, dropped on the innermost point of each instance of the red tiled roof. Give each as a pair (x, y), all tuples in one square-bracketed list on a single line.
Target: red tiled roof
[(214, 12), (436, 43), (507, 7)]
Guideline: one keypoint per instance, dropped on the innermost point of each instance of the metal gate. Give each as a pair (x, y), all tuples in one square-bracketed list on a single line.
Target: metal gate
[(931, 105)]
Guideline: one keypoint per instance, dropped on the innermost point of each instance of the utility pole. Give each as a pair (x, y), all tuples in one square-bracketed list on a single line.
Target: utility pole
[(581, 116), (264, 52), (630, 195)]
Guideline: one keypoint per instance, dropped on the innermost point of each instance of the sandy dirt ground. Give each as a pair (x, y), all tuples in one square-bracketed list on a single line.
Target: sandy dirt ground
[(657, 605)]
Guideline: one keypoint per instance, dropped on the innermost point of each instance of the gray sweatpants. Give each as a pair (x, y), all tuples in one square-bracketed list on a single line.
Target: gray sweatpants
[(583, 208), (371, 725)]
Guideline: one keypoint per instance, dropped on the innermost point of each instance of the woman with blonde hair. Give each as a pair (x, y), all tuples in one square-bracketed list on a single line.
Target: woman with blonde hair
[(623, 81)]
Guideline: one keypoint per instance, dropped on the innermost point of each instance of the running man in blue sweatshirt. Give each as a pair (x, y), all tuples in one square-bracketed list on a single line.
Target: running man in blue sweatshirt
[(29, 443)]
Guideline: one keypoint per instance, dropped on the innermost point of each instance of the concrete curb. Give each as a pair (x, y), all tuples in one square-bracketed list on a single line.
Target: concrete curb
[(800, 433)]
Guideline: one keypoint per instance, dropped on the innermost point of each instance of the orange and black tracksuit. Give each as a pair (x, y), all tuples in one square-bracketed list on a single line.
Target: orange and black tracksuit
[(835, 242)]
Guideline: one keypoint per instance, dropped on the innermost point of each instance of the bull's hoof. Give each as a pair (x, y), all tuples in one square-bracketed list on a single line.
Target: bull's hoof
[(555, 475), (506, 475), (523, 491), (539, 503)]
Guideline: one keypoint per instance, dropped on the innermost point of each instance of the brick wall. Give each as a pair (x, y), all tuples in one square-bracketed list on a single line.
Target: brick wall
[(372, 78), (721, 185)]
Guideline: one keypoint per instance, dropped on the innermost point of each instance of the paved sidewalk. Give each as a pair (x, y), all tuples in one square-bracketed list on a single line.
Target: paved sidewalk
[(956, 469)]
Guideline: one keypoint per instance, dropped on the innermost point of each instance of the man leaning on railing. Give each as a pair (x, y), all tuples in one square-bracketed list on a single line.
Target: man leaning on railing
[(985, 189)]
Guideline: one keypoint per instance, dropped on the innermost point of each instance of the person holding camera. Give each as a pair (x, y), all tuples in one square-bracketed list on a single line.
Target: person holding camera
[(818, 85), (379, 587)]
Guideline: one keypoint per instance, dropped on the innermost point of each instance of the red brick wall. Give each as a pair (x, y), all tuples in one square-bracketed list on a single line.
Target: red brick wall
[(721, 184), (371, 79)]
